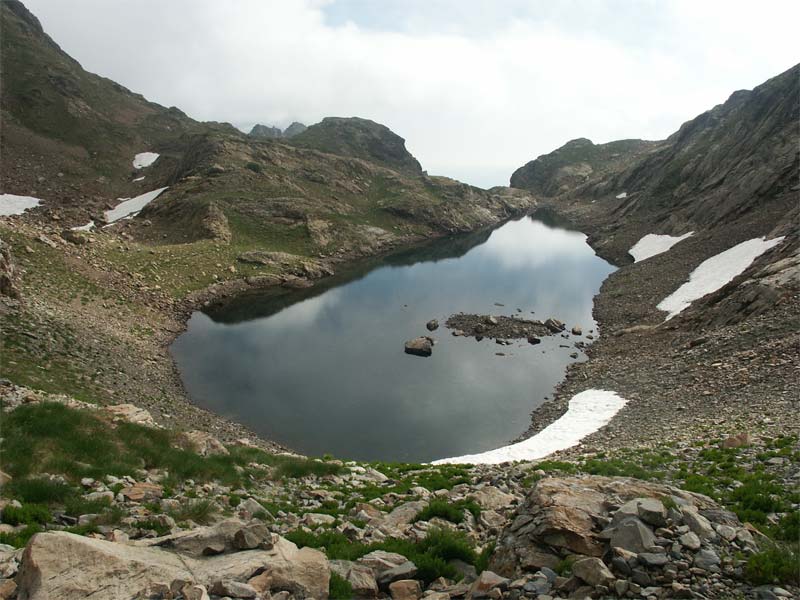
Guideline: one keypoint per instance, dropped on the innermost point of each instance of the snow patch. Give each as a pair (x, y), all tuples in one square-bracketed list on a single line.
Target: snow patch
[(139, 179), (88, 227), (144, 159), (653, 244), (130, 206), (11, 204), (588, 412), (622, 196), (714, 273)]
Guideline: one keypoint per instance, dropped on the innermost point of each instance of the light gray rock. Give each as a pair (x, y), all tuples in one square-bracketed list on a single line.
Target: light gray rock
[(697, 522), (593, 571), (360, 576), (652, 511), (407, 570), (706, 559), (690, 540), (232, 589)]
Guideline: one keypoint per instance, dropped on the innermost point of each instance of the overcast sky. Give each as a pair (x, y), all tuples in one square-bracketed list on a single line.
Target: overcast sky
[(476, 87)]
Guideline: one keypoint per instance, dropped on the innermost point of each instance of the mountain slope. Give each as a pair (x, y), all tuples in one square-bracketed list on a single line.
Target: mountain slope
[(59, 118), (346, 186), (736, 163)]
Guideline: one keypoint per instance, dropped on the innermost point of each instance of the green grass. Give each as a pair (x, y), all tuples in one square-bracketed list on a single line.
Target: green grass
[(339, 588), (430, 555), (154, 525), (774, 565), (27, 514), (199, 511), (52, 438), (19, 538), (450, 511)]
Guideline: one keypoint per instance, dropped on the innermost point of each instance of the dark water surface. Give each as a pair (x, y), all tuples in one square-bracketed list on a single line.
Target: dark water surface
[(323, 370)]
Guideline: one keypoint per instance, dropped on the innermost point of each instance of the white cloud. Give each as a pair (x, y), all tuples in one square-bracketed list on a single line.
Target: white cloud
[(477, 88)]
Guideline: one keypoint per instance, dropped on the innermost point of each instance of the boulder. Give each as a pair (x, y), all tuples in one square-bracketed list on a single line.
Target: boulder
[(360, 577), (706, 559), (690, 540), (232, 589), (737, 441), (71, 567), (380, 560), (554, 325), (403, 514), (314, 520), (649, 510), (202, 443), (405, 589), (593, 571), (492, 498), (142, 492), (632, 535), (226, 536), (566, 515), (486, 582), (250, 507), (130, 413), (697, 522), (406, 570), (432, 325), (421, 346)]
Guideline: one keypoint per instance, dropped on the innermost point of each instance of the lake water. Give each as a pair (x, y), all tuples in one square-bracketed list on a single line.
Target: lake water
[(323, 370)]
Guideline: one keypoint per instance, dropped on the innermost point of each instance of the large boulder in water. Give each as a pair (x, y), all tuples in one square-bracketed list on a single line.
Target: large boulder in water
[(421, 346)]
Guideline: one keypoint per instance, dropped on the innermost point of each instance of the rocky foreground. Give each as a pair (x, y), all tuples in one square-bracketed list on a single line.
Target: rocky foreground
[(181, 515)]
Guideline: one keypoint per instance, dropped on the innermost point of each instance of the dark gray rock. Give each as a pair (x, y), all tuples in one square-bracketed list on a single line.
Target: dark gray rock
[(633, 535)]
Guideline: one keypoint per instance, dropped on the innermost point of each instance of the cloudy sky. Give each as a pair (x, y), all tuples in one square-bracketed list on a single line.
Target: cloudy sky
[(477, 87)]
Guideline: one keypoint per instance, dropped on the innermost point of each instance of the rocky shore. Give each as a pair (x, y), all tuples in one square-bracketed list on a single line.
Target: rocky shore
[(213, 520)]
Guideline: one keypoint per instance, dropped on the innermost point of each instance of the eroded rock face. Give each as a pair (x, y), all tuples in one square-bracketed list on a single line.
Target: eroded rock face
[(71, 567), (8, 286), (288, 263)]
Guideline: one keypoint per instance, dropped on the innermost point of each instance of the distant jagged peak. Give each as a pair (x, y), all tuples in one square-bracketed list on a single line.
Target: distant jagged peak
[(274, 133), (294, 129)]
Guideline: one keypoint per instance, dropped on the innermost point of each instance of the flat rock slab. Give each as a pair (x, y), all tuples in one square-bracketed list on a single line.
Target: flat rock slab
[(72, 567)]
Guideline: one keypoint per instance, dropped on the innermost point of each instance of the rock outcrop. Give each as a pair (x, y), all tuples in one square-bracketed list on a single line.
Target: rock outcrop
[(66, 566), (575, 163), (621, 534)]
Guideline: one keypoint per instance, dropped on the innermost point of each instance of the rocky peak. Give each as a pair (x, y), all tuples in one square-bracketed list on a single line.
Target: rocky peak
[(360, 138), (294, 129), (264, 131)]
